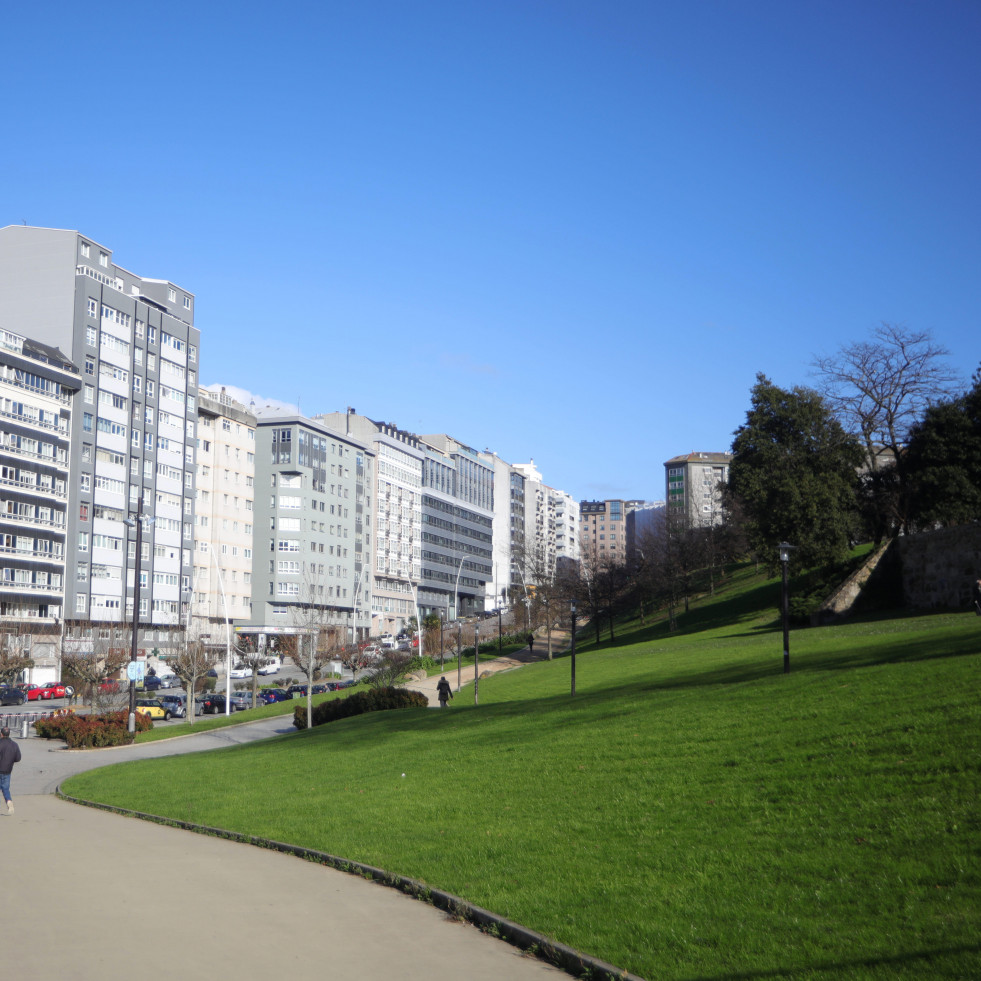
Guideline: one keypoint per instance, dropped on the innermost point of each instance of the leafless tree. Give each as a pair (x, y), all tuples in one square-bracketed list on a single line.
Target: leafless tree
[(879, 388), (13, 657), (94, 656), (193, 662)]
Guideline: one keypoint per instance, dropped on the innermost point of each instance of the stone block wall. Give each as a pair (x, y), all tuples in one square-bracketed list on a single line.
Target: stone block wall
[(938, 568)]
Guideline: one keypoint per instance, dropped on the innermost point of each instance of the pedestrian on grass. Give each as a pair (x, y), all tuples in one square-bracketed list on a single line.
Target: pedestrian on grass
[(443, 692), (9, 755), (977, 597)]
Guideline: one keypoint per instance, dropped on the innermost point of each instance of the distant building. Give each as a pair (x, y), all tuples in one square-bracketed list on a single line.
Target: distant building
[(643, 518), (37, 384), (224, 515), (603, 531), (313, 531), (694, 485)]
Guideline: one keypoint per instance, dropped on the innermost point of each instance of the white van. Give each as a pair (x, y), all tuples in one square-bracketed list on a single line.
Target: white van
[(272, 667), (388, 642)]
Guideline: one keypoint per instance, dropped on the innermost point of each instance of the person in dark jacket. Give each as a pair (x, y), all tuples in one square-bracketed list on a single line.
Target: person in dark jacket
[(531, 643), (977, 597), (9, 755), (443, 692)]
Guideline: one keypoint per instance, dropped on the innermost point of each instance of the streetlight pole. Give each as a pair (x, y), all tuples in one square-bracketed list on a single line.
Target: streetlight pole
[(572, 610), (138, 523), (500, 646), (476, 658), (456, 590), (784, 549)]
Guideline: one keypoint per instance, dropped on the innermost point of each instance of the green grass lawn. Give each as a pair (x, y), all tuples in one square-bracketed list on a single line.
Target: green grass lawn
[(692, 813)]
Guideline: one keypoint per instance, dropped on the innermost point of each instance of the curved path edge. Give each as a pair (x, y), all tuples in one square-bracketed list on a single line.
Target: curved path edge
[(560, 955)]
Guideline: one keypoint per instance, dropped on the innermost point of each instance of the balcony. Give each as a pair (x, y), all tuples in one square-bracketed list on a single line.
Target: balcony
[(59, 461), (27, 488)]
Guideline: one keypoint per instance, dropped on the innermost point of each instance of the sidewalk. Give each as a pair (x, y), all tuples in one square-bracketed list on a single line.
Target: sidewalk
[(95, 896)]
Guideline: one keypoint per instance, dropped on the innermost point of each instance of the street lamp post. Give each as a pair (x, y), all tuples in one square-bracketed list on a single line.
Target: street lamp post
[(784, 550), (136, 522), (572, 611), (476, 658), (500, 643)]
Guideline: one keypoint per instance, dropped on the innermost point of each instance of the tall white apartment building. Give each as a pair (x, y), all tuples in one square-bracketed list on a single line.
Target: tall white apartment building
[(224, 514), (135, 418), (37, 383), (694, 484)]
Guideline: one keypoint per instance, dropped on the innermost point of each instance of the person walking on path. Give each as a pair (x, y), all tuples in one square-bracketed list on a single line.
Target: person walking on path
[(9, 755), (443, 692), (977, 597), (531, 643)]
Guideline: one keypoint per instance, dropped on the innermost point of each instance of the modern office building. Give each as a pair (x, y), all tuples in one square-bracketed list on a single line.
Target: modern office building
[(397, 559), (694, 484), (133, 439), (313, 534), (224, 515), (457, 528), (37, 384)]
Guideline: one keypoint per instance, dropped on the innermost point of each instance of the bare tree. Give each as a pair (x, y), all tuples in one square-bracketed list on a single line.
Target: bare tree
[(879, 388), (13, 657), (94, 657), (191, 665)]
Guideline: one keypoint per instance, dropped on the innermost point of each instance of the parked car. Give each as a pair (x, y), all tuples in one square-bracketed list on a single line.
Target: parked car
[(319, 689), (241, 700), (154, 708), (373, 652), (176, 704), (214, 704), (271, 667), (270, 695), (241, 671), (151, 683), (297, 691), (12, 696), (55, 690)]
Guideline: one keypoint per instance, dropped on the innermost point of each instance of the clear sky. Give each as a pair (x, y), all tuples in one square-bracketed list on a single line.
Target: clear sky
[(562, 230)]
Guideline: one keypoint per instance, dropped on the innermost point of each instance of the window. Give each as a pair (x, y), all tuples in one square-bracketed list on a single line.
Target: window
[(89, 364), (187, 303), (86, 251), (89, 394), (103, 259), (83, 541), (91, 336), (87, 422), (171, 294)]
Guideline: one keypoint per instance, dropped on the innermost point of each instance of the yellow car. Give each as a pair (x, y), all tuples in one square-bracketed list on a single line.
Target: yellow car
[(154, 708)]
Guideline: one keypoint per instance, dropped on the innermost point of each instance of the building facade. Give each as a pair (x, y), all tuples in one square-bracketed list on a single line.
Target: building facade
[(694, 487), (397, 558), (133, 440), (224, 518), (603, 532), (457, 528), (37, 385), (313, 536)]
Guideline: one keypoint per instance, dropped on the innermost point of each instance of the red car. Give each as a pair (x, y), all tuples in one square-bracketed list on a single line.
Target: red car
[(55, 690), (33, 692)]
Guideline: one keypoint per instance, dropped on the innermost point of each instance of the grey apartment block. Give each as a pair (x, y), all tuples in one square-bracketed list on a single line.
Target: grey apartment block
[(457, 528), (37, 383), (694, 485), (133, 432), (313, 528)]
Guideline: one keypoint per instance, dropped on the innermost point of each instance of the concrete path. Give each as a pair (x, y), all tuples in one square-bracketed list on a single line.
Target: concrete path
[(93, 896)]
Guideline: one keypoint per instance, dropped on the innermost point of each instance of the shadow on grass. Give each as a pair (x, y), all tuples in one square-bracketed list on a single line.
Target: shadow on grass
[(913, 957)]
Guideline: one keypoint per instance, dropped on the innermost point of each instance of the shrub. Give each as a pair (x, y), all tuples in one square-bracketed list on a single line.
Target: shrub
[(373, 700), (91, 731)]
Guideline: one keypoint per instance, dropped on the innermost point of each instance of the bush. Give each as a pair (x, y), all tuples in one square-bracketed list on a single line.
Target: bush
[(91, 731), (373, 700)]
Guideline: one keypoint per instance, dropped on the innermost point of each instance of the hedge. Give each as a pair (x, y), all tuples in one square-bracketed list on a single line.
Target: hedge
[(89, 731), (373, 700)]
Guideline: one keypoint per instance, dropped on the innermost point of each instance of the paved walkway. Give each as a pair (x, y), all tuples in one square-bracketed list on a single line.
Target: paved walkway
[(93, 896)]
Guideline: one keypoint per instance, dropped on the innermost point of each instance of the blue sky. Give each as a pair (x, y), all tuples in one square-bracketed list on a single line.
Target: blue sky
[(562, 230)]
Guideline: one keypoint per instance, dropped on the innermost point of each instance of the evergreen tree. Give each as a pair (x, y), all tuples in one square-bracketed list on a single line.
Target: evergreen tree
[(793, 472), (944, 461)]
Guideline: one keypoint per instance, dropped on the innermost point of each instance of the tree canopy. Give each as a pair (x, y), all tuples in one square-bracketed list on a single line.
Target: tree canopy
[(793, 472), (943, 460)]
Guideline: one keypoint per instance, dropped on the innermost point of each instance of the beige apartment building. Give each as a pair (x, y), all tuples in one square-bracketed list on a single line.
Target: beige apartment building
[(224, 514), (603, 532)]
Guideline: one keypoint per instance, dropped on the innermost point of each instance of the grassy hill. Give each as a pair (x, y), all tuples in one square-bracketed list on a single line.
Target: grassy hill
[(692, 813)]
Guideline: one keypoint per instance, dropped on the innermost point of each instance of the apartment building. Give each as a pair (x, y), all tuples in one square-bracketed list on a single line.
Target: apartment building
[(397, 559), (694, 485), (37, 383), (457, 528), (224, 517), (603, 532), (313, 530), (133, 441)]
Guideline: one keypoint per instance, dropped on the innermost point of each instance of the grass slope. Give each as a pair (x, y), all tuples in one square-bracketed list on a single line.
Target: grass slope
[(692, 813)]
